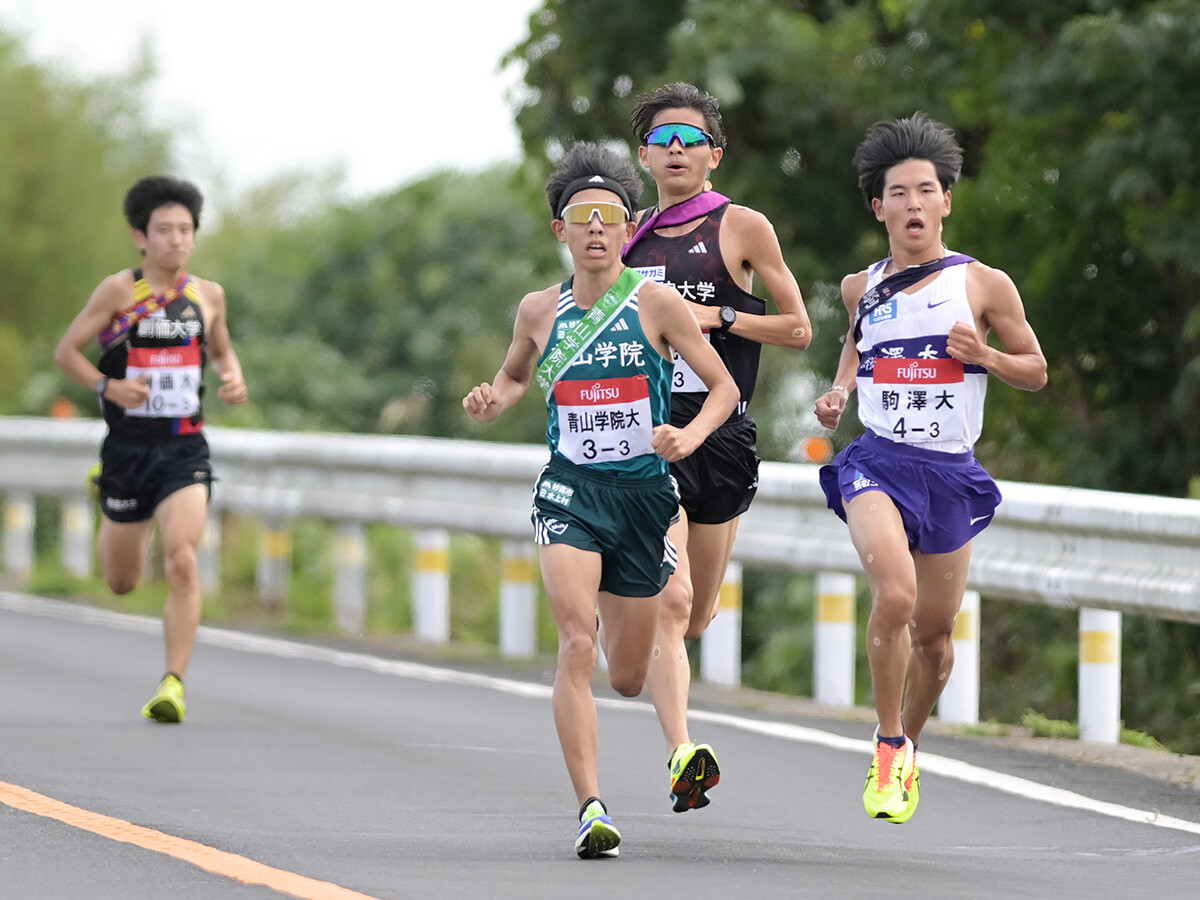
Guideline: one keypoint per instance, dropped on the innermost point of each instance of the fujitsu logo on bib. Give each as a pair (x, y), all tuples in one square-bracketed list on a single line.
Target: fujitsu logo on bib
[(918, 371), (602, 391), (598, 393)]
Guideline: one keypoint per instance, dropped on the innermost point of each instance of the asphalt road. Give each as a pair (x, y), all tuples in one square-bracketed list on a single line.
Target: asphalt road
[(318, 771)]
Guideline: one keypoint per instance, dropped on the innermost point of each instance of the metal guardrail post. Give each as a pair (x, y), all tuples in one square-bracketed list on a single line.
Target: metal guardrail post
[(834, 640), (208, 554), (431, 586), (1099, 675), (350, 577), (18, 534), (518, 599), (274, 561), (959, 702), (77, 528), (721, 643)]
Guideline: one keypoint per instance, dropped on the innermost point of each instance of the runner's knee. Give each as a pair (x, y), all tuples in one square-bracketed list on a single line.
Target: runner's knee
[(675, 601)]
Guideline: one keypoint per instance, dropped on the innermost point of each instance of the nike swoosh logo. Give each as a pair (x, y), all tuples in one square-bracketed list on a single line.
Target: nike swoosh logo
[(939, 303), (977, 518)]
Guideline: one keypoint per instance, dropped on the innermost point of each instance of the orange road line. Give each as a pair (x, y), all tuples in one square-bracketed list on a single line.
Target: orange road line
[(219, 862)]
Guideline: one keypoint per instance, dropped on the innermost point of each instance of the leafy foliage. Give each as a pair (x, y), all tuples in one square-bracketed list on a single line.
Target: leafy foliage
[(70, 152)]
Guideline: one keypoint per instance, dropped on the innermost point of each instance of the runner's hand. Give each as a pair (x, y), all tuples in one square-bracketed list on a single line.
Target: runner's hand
[(481, 404), (128, 393), (233, 389)]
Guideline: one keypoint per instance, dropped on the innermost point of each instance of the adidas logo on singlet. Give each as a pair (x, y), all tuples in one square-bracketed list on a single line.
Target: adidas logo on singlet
[(619, 325), (699, 248)]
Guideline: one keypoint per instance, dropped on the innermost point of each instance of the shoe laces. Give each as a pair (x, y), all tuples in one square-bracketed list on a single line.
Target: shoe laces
[(889, 763)]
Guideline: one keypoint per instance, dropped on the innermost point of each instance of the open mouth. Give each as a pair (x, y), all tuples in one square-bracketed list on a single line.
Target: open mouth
[(914, 226)]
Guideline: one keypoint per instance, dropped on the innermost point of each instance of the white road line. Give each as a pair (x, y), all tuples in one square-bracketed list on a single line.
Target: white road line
[(277, 647)]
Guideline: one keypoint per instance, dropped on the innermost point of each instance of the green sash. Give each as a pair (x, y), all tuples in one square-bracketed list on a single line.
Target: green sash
[(581, 335)]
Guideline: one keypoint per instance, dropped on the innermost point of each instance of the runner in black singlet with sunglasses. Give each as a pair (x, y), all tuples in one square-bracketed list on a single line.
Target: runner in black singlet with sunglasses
[(712, 258)]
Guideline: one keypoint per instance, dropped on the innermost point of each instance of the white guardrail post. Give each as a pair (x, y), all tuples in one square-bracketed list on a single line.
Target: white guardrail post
[(208, 554), (78, 524), (834, 640), (274, 561), (431, 586), (1099, 675), (518, 599), (721, 643), (959, 702), (18, 534), (350, 577)]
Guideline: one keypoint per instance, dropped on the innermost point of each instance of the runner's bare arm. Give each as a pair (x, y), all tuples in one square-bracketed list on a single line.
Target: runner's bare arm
[(750, 243), (112, 295), (998, 308), (832, 403), (221, 355)]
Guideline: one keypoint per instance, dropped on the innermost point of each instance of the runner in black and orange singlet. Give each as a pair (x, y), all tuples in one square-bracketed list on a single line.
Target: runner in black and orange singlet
[(711, 250), (157, 326)]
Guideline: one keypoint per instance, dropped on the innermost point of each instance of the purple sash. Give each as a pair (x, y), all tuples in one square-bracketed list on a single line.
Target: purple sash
[(691, 208), (898, 281)]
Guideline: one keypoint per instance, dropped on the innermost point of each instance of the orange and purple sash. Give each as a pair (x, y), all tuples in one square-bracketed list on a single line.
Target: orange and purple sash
[(145, 303)]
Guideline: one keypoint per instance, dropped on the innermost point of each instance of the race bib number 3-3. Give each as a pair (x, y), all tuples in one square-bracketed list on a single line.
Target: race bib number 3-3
[(173, 375), (604, 420)]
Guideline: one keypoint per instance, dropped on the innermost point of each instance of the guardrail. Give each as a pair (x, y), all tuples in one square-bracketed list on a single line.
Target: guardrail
[(1102, 552)]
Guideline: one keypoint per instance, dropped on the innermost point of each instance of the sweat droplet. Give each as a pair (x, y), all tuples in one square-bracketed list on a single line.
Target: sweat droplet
[(870, 557), (873, 507), (949, 576), (942, 677), (877, 642)]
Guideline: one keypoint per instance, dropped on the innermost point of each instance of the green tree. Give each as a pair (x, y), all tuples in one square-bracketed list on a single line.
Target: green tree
[(1079, 122), (380, 316), (70, 152)]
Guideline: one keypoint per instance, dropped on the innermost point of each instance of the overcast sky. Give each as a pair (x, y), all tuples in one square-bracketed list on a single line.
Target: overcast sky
[(388, 89)]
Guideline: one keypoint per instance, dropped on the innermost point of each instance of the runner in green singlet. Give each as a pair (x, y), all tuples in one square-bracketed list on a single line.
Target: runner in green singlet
[(600, 346)]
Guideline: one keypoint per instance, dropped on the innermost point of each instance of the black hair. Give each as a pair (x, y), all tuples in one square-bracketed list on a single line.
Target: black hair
[(156, 191), (677, 95), (890, 143), (590, 165)]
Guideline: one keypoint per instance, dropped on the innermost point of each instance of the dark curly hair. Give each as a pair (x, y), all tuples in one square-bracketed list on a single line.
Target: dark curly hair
[(161, 190)]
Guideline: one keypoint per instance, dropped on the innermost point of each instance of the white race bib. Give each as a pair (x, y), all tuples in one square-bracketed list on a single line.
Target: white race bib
[(604, 420), (173, 375)]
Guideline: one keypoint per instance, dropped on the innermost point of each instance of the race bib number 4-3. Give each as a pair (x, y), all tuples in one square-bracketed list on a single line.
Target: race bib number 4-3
[(604, 420), (920, 398), (173, 375)]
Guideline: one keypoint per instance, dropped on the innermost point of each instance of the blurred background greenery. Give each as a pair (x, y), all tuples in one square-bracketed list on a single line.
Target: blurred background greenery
[(1080, 121)]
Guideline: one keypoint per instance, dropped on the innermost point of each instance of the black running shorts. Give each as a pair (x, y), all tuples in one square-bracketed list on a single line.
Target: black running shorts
[(136, 477)]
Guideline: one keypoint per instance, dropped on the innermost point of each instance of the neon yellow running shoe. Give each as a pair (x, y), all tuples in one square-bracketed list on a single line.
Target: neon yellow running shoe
[(885, 795), (167, 703), (913, 788), (694, 772), (93, 482), (598, 836)]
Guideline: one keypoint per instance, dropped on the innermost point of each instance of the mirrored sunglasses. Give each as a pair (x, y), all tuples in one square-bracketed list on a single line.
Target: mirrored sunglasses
[(581, 213), (688, 135)]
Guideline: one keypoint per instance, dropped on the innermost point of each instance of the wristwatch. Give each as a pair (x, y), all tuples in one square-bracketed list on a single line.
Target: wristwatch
[(728, 317), (100, 386)]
